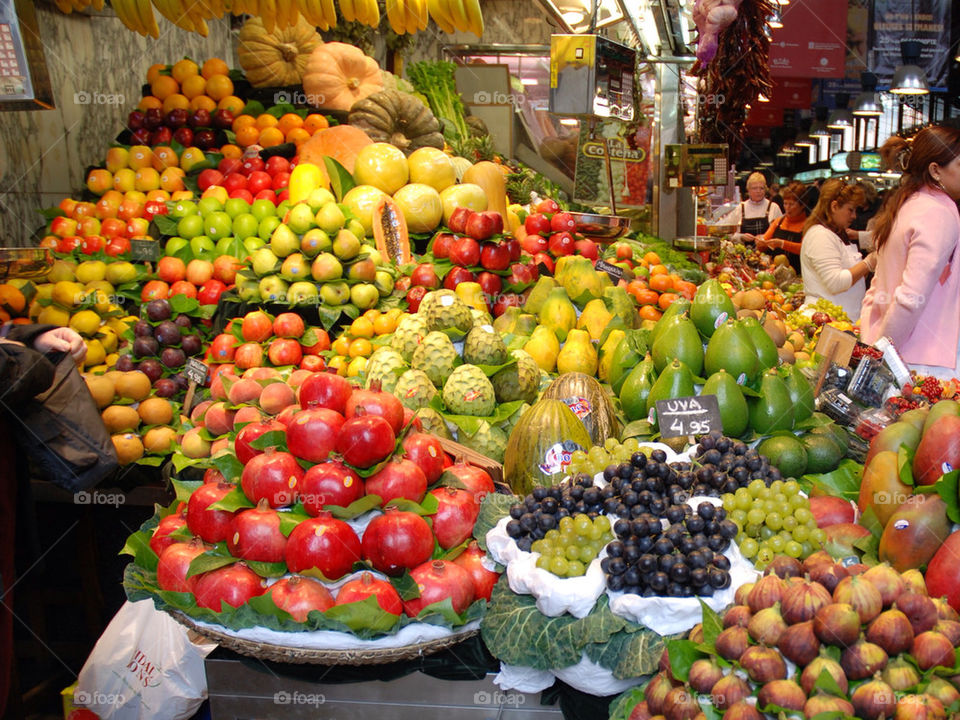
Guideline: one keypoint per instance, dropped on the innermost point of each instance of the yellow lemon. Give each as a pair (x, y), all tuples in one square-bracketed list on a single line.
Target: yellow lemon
[(95, 353), (91, 271), (86, 322), (53, 315)]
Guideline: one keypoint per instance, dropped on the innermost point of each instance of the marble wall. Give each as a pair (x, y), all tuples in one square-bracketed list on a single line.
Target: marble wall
[(97, 67)]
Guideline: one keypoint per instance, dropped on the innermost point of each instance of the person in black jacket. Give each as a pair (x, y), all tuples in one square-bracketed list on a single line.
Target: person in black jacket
[(25, 372)]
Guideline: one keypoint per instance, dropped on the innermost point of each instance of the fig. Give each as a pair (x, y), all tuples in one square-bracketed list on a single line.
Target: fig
[(863, 659), (913, 581), (641, 711), (857, 569), (783, 693), (766, 592), (862, 595), (942, 691), (680, 704), (784, 566), (892, 631), (919, 707), (703, 675), (740, 596), (767, 626), (828, 575), (873, 699), (821, 703), (820, 664), (950, 628), (742, 711), (944, 610), (799, 644), (763, 664), (656, 691), (802, 600), (837, 624), (887, 580), (696, 633), (931, 649), (919, 609), (728, 690), (820, 557), (731, 643), (737, 615), (900, 675)]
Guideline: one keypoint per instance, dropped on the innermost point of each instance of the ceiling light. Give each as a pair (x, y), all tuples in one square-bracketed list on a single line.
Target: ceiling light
[(841, 118), (775, 21), (569, 121), (867, 103), (529, 81), (574, 17), (805, 141), (909, 78), (819, 129)]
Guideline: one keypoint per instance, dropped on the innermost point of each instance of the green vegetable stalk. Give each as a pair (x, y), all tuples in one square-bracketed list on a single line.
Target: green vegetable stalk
[(435, 80)]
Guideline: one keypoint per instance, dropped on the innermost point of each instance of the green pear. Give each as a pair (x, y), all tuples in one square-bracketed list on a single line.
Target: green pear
[(315, 241), (263, 261), (363, 270), (346, 246), (248, 289), (356, 227), (337, 293), (383, 281), (284, 241), (326, 267), (330, 218), (320, 197), (295, 267), (300, 218), (302, 293), (364, 296), (273, 288)]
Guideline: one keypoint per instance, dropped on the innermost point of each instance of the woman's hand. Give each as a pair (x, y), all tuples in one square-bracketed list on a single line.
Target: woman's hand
[(853, 235), (61, 340), (871, 261)]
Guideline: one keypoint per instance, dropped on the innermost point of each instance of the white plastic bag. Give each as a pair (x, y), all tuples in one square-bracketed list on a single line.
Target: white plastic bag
[(144, 667)]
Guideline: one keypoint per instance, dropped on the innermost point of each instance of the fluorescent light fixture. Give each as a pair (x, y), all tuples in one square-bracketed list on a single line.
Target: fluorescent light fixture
[(867, 104), (569, 121), (574, 17), (805, 140), (909, 78), (819, 129), (529, 81), (775, 20), (840, 119)]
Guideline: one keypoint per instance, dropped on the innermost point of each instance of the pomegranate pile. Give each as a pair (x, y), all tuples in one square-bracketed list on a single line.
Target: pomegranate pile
[(812, 638)]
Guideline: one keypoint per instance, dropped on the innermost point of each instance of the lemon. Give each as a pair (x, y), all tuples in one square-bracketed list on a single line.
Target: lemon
[(119, 273), (382, 165), (420, 205), (108, 338), (356, 366), (95, 353), (433, 167), (85, 322), (53, 315), (61, 270), (68, 294), (91, 271)]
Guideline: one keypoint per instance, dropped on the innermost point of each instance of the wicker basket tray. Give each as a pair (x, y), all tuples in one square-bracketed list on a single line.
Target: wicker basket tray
[(303, 656)]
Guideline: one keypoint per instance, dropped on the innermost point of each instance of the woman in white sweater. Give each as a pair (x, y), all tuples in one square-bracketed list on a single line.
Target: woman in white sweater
[(831, 264), (754, 215)]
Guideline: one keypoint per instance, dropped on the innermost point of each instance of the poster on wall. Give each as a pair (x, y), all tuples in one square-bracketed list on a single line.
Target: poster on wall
[(14, 75), (628, 145), (812, 41), (927, 21)]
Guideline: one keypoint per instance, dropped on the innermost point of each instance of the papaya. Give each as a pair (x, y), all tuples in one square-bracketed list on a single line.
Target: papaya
[(679, 340), (881, 487), (621, 305), (773, 410), (636, 389), (711, 307), (800, 392), (892, 437), (731, 349), (766, 351), (558, 313), (939, 449), (734, 413), (914, 532), (390, 232), (614, 338), (675, 381), (539, 294)]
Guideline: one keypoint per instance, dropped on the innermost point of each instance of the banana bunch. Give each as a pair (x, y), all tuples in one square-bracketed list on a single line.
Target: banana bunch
[(453, 15), (137, 15), (366, 12), (69, 6), (319, 13), (407, 16)]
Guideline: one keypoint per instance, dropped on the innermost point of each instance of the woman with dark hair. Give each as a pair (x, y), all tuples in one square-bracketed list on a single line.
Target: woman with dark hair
[(831, 265), (786, 232), (915, 296)]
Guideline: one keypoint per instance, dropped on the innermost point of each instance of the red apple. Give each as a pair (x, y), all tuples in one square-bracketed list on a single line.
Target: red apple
[(587, 248), (495, 256), (465, 252), (562, 243), (442, 243), (425, 276), (536, 224), (456, 276), (459, 218)]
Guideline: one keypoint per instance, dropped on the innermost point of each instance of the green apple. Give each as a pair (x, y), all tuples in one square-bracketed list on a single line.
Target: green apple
[(320, 197), (263, 262), (300, 218), (223, 245), (283, 208), (201, 246), (295, 267), (263, 208), (466, 195), (346, 245), (330, 218), (209, 205), (217, 225), (273, 288), (383, 281), (267, 226), (174, 245), (284, 241), (182, 208), (359, 229), (303, 293), (337, 293), (245, 225), (253, 243), (315, 241), (363, 270), (248, 289), (326, 267), (364, 296), (189, 226), (236, 206)]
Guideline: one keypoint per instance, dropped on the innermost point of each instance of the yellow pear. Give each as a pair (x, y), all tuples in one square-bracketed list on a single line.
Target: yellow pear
[(543, 347), (472, 294), (578, 354)]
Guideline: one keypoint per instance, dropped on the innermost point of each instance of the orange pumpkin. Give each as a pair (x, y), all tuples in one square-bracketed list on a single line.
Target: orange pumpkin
[(338, 74), (340, 142)]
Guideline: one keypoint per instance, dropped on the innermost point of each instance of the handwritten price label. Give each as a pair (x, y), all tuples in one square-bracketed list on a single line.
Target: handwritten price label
[(689, 416)]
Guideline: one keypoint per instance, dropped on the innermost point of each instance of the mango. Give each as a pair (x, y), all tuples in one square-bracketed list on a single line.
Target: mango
[(914, 532), (939, 449), (881, 488), (892, 437)]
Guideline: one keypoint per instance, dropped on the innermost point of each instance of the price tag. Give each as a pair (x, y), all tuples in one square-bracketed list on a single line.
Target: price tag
[(689, 416), (615, 272), (837, 343), (195, 371), (146, 250)]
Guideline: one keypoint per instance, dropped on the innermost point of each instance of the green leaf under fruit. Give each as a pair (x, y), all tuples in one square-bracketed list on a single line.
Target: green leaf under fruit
[(209, 561), (233, 501), (267, 569), (276, 439), (428, 506), (354, 509), (682, 654), (290, 519), (826, 683), (364, 614), (341, 181), (229, 466), (184, 489), (948, 488), (844, 482), (712, 625), (905, 465), (494, 507)]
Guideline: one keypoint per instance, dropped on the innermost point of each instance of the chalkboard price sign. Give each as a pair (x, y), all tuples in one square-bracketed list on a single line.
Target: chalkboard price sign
[(615, 272), (195, 371), (146, 250), (688, 416)]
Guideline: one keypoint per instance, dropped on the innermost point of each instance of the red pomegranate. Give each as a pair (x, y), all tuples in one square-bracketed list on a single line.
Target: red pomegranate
[(324, 544), (454, 520), (312, 435), (376, 402), (211, 525), (472, 478), (234, 585), (274, 476), (396, 541), (256, 535), (299, 595), (329, 483), (249, 433), (399, 478), (161, 540), (325, 390), (366, 440), (427, 452), (174, 564), (471, 560), (365, 586), (438, 580)]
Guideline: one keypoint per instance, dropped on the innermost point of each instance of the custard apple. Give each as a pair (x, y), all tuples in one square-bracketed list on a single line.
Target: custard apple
[(488, 440), (409, 334), (446, 312), (385, 365), (414, 389), (469, 392), (518, 382), (433, 423), (484, 346), (507, 425), (480, 317), (436, 356)]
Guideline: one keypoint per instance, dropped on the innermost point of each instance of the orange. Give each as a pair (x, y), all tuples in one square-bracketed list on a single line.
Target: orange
[(163, 86), (12, 299), (182, 69), (247, 136), (176, 101), (270, 136), (149, 103), (265, 120), (219, 86), (661, 283), (667, 299), (314, 122), (161, 195), (298, 136), (243, 121), (767, 285), (164, 157), (202, 102), (171, 179), (652, 258), (647, 297), (193, 86), (231, 151), (360, 347), (659, 270), (288, 122), (362, 327), (341, 346), (153, 72), (384, 324), (649, 312), (687, 289), (231, 103), (214, 66)]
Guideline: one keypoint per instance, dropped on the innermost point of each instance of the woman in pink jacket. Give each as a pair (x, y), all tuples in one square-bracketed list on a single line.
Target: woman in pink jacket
[(915, 296)]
